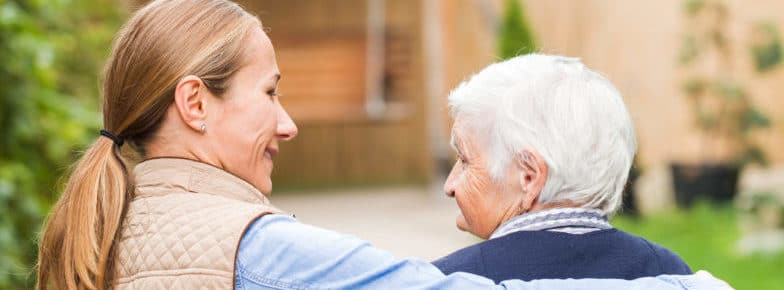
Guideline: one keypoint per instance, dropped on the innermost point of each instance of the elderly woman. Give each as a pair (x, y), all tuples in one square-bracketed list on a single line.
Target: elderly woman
[(191, 87), (544, 148)]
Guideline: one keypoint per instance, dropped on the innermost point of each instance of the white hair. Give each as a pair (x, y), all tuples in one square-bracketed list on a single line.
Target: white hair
[(574, 118)]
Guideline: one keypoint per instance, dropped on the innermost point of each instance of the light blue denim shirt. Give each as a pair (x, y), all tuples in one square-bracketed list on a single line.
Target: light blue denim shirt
[(278, 252)]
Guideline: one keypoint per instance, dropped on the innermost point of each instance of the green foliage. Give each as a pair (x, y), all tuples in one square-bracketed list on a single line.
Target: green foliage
[(705, 237), (755, 119), (515, 35), (754, 205), (753, 154), (51, 53), (721, 105), (766, 49), (693, 6), (689, 50)]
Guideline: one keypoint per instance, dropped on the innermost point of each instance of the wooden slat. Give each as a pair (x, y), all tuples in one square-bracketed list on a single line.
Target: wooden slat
[(322, 76), (320, 48)]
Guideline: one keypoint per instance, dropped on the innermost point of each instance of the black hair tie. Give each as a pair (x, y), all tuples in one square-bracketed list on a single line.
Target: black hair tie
[(117, 140)]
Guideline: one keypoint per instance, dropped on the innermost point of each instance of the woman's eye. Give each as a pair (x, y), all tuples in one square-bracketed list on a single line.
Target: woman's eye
[(273, 94)]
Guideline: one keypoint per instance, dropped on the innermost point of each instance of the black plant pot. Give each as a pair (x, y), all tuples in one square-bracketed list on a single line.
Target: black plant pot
[(714, 182)]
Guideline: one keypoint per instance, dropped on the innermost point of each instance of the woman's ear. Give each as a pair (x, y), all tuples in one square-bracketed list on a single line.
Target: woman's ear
[(190, 98), (533, 175)]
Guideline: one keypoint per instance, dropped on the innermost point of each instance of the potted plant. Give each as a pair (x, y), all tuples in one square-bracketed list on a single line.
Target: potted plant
[(629, 206), (723, 111)]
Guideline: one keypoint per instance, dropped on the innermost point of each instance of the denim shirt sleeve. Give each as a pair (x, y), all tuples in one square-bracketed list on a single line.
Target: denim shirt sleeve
[(278, 252)]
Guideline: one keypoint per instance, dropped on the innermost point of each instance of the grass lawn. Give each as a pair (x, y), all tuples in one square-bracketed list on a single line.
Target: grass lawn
[(705, 237)]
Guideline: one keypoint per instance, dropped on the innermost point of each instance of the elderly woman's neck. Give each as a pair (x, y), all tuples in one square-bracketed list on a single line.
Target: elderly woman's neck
[(551, 205), (536, 207)]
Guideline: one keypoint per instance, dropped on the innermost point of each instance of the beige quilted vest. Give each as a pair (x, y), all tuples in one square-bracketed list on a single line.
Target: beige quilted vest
[(183, 227)]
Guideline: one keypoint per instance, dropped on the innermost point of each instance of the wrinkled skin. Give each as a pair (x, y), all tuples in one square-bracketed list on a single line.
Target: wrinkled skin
[(484, 203)]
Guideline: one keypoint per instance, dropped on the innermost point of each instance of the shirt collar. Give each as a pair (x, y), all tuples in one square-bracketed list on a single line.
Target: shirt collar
[(552, 219), (193, 176)]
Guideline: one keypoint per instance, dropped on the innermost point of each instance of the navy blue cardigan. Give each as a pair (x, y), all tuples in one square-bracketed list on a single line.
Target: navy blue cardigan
[(529, 255)]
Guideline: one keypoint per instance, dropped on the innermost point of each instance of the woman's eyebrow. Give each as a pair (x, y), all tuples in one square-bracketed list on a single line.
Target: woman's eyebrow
[(453, 141), (273, 80)]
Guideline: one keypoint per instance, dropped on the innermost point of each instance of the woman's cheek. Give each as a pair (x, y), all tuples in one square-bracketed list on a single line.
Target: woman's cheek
[(479, 188), (477, 185)]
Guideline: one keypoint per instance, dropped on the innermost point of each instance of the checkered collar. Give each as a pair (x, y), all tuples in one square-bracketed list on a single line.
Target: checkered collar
[(569, 220)]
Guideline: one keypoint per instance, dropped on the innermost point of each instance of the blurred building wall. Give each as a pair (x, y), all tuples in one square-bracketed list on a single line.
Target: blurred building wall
[(635, 44), (323, 49)]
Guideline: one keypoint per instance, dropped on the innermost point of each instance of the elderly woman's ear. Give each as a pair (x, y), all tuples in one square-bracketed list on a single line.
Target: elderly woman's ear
[(533, 175)]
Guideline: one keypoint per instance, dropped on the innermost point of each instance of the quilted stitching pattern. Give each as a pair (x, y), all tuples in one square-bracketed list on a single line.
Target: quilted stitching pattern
[(175, 235)]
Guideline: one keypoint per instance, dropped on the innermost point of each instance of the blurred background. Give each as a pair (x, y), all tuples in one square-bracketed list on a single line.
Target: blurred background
[(366, 81)]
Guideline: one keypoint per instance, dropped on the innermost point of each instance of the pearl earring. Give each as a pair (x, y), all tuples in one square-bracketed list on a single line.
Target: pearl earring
[(203, 127)]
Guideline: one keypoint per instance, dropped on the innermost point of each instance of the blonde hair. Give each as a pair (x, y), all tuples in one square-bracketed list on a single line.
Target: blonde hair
[(161, 43)]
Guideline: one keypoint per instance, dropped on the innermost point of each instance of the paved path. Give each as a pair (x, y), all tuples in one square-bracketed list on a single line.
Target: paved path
[(407, 221)]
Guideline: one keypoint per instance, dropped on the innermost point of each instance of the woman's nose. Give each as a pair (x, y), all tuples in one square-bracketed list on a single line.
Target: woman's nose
[(450, 192), (286, 129), (449, 184)]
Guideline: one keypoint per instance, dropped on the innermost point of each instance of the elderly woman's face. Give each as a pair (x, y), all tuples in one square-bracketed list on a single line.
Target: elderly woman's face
[(249, 121), (484, 204)]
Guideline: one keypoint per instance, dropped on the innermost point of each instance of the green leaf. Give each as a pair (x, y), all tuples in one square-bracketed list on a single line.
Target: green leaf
[(753, 155), (766, 49), (753, 118), (694, 86), (689, 50), (730, 90), (515, 36), (692, 7), (706, 121)]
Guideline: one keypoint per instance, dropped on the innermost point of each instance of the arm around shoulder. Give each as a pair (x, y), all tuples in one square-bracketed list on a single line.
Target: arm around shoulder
[(278, 252)]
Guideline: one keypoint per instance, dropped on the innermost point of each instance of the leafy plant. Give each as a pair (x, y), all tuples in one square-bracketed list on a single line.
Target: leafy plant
[(51, 53), (515, 35), (766, 46), (722, 107), (755, 200)]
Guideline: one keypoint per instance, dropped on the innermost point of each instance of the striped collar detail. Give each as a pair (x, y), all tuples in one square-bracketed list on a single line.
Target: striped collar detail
[(568, 220)]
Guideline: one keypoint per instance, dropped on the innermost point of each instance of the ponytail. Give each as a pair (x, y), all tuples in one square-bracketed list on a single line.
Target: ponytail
[(76, 248)]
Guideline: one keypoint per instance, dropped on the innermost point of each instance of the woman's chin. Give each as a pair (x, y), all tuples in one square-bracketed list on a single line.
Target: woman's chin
[(264, 185), (461, 223), (267, 190)]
